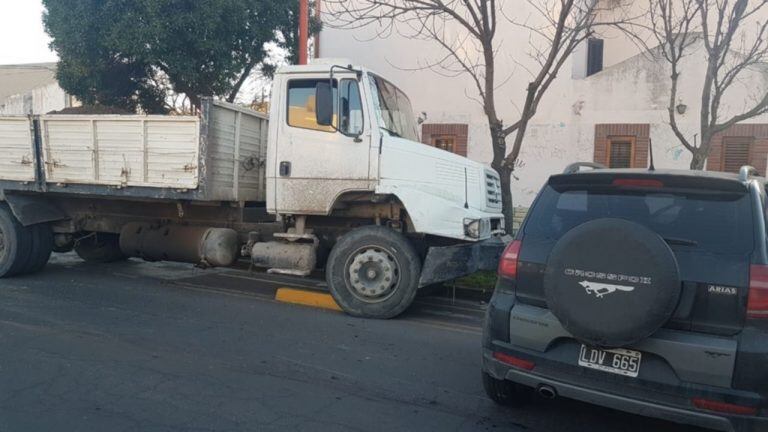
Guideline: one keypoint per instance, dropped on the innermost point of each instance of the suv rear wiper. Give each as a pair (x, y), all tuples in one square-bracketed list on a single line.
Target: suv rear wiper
[(680, 241)]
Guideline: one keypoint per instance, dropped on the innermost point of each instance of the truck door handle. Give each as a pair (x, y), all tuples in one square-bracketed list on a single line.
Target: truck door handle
[(285, 169)]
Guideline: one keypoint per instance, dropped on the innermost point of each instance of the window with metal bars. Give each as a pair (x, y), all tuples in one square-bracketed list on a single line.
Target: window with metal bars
[(621, 152), (445, 142)]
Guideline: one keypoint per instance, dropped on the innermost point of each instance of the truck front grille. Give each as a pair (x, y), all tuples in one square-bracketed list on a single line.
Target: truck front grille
[(492, 190)]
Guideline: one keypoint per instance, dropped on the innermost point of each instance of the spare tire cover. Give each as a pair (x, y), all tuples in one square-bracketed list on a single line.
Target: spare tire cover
[(612, 282)]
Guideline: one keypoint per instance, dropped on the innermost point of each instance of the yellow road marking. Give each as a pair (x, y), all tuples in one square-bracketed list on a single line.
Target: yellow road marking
[(306, 298)]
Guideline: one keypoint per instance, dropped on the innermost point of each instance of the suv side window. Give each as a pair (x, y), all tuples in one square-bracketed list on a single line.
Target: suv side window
[(348, 107)]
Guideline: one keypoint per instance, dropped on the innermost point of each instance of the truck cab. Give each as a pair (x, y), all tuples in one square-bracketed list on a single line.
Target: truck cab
[(339, 132)]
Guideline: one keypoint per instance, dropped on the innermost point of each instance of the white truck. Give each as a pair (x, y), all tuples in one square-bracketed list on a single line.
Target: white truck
[(334, 178)]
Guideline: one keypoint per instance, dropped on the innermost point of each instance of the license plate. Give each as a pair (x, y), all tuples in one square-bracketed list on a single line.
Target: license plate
[(618, 361)]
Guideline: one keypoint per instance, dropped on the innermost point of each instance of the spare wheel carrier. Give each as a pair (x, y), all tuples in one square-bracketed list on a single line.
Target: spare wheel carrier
[(612, 282)]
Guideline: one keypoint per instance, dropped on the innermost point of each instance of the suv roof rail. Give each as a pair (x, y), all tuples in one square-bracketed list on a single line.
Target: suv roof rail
[(576, 167), (746, 172)]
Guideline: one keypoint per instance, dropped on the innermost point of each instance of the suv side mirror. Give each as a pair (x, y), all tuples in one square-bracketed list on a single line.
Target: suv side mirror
[(324, 104)]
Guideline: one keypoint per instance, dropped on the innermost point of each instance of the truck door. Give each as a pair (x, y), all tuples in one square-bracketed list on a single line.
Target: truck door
[(314, 163)]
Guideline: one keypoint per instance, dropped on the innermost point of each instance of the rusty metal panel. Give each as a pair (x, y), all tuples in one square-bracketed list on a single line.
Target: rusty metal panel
[(221, 152), (237, 151), (253, 155), (17, 157)]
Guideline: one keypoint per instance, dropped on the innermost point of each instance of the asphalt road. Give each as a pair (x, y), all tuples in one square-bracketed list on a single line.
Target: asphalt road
[(162, 347)]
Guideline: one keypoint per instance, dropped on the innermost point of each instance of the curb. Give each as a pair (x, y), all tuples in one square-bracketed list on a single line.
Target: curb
[(306, 298)]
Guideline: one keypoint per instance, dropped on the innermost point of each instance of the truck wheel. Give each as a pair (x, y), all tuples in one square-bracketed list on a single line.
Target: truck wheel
[(100, 248), (506, 393), (373, 272), (42, 246), (15, 243)]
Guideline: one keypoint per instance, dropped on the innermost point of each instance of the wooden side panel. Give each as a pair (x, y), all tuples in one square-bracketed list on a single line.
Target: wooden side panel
[(172, 154), (122, 151), (158, 152), (17, 157), (68, 150)]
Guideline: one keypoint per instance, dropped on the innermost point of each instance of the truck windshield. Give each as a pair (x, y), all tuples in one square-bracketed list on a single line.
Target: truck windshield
[(393, 109)]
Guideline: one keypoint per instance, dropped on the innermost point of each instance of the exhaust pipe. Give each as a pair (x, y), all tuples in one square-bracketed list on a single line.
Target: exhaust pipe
[(547, 392)]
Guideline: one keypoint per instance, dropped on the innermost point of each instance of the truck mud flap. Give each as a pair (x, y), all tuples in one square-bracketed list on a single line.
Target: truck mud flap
[(452, 262), (34, 210)]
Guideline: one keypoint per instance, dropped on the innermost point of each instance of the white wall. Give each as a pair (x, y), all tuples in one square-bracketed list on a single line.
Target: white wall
[(633, 88), (41, 100)]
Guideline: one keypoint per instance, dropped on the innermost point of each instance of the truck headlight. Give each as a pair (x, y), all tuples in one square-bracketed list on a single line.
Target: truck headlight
[(477, 228)]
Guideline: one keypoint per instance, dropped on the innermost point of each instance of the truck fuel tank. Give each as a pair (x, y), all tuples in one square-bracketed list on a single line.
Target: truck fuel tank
[(284, 257), (204, 246)]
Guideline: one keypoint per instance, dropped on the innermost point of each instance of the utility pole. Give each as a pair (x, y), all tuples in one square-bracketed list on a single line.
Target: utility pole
[(303, 30), (318, 16)]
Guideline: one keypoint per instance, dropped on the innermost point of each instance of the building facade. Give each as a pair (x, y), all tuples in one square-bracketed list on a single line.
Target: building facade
[(608, 104), (31, 89)]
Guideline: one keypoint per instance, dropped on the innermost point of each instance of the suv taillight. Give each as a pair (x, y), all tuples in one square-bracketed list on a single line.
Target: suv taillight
[(508, 262), (757, 307)]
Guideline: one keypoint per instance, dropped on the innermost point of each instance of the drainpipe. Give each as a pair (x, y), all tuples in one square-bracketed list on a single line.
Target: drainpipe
[(303, 30)]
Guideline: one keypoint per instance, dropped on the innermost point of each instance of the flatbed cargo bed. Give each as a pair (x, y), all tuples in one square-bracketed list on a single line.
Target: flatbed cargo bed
[(217, 155)]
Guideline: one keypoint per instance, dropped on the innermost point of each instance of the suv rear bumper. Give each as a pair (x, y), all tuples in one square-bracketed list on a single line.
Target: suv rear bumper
[(636, 400), (629, 400)]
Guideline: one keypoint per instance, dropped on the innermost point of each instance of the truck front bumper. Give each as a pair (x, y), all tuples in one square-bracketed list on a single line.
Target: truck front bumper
[(452, 262)]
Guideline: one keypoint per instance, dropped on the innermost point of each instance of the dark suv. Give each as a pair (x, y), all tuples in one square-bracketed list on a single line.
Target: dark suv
[(639, 290)]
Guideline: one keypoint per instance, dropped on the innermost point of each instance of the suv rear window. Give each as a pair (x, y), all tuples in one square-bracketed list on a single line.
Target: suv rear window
[(710, 221)]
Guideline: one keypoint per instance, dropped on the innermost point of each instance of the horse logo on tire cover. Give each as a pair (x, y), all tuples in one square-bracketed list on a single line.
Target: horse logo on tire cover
[(601, 289)]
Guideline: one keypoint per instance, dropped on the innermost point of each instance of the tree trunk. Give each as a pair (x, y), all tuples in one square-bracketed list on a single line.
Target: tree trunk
[(508, 207), (239, 84), (499, 142), (194, 100), (698, 160)]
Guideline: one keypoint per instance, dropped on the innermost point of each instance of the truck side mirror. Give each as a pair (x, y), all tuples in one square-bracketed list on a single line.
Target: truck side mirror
[(324, 104)]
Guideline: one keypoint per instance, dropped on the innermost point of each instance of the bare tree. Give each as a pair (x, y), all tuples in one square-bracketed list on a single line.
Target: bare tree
[(466, 32), (731, 51)]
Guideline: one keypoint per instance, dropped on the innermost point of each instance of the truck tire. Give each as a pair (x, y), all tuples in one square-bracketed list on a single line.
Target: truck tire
[(506, 393), (100, 248), (15, 243), (42, 247), (373, 272)]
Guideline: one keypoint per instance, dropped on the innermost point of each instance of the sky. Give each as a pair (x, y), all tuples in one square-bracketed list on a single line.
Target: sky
[(22, 38)]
